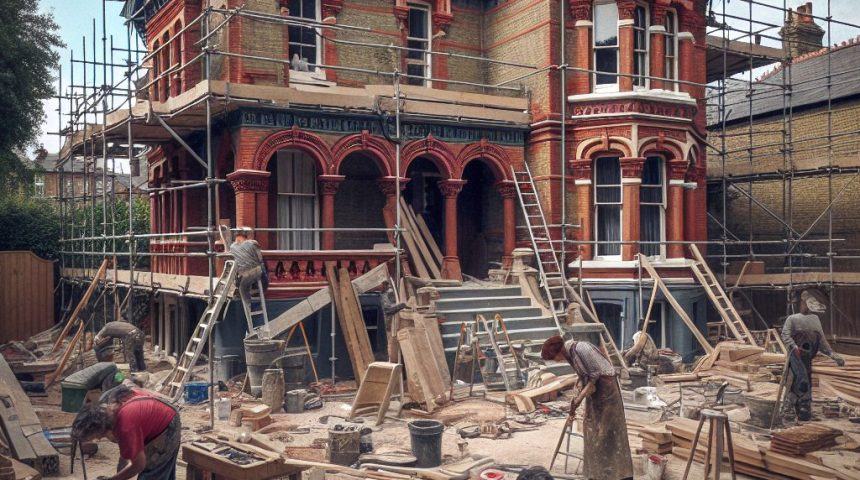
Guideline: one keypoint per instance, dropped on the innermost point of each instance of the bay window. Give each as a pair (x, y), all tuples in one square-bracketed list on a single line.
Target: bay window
[(640, 47), (606, 45), (671, 56), (607, 206), (303, 40), (652, 206), (418, 42)]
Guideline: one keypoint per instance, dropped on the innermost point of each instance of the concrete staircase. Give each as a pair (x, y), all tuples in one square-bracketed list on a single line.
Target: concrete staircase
[(524, 320)]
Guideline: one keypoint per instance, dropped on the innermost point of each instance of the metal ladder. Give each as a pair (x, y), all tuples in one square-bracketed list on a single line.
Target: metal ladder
[(172, 386), (509, 365), (551, 272), (721, 301)]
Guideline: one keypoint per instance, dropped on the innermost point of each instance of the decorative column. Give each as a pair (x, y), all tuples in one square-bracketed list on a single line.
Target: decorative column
[(328, 187), (657, 50), (582, 178), (451, 262), (625, 44), (631, 179), (388, 187), (677, 171), (579, 82), (252, 200), (508, 192)]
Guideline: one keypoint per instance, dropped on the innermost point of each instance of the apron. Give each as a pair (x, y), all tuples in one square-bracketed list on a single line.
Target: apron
[(606, 447), (801, 373), (161, 451)]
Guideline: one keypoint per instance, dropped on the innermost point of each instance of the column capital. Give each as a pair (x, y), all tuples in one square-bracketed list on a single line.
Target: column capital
[(626, 9), (330, 183), (507, 189), (658, 13), (677, 170), (582, 169), (450, 188), (249, 180), (631, 167), (388, 185), (580, 10)]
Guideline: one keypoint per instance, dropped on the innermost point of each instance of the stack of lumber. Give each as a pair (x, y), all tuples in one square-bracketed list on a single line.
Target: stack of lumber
[(739, 364), (841, 382), (524, 401), (21, 426), (424, 254), (351, 319), (656, 439), (804, 439), (419, 341), (751, 457)]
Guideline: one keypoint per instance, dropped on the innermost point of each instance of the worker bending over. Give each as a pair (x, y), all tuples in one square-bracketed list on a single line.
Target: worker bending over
[(804, 338), (249, 263), (606, 450), (132, 339), (146, 428)]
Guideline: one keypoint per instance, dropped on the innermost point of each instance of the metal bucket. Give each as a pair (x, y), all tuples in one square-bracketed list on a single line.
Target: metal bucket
[(294, 364), (259, 354)]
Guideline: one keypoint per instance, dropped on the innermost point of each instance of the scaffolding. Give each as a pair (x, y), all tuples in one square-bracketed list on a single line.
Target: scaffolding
[(99, 109)]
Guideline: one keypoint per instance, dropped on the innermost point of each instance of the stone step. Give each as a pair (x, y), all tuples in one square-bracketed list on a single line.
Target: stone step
[(533, 337), (446, 293), (508, 313), (453, 304), (514, 325)]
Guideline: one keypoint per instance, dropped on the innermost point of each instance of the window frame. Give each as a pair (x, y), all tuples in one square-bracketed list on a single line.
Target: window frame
[(661, 253), (643, 53), (605, 87), (670, 38), (597, 204), (318, 47), (39, 185), (428, 56)]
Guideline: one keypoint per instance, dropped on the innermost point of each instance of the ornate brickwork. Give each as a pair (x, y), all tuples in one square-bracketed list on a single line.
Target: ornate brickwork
[(622, 106), (379, 149), (580, 10), (506, 189), (495, 156), (330, 183), (631, 167), (451, 188), (436, 150), (294, 138)]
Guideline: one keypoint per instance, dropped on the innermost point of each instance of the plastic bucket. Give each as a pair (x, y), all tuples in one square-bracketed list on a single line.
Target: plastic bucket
[(655, 466), (259, 354), (426, 437), (73, 397), (222, 409), (196, 392)]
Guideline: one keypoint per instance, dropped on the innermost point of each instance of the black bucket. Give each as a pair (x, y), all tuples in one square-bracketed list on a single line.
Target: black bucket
[(426, 436)]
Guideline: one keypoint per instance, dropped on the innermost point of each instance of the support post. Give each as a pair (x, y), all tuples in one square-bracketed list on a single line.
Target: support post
[(328, 186), (631, 179), (451, 261)]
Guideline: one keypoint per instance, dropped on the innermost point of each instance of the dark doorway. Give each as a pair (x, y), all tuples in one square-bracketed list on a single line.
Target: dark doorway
[(612, 315), (358, 203), (479, 221), (422, 193)]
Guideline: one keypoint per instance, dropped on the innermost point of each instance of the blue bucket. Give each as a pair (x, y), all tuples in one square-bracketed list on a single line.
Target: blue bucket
[(196, 392)]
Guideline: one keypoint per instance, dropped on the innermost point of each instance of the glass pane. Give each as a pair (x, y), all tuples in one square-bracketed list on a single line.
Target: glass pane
[(639, 17), (649, 229), (669, 22), (418, 23), (608, 194), (608, 229), (417, 49), (295, 8), (417, 71), (606, 60), (651, 171), (608, 171), (605, 24), (309, 9)]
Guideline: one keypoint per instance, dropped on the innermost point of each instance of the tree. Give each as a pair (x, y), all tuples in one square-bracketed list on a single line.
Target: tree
[(29, 224), (28, 40)]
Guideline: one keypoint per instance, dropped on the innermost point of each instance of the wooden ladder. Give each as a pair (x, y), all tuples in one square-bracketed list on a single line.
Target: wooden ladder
[(590, 316), (172, 386), (511, 373), (725, 307)]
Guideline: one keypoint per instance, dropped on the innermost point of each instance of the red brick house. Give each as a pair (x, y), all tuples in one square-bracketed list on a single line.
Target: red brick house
[(302, 125)]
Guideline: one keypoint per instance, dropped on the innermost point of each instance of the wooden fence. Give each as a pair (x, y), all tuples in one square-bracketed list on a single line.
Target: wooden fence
[(26, 295)]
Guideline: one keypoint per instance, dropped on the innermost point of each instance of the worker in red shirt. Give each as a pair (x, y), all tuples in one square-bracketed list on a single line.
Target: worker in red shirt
[(146, 428)]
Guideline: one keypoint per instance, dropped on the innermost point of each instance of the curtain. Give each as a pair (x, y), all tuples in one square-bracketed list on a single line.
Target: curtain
[(608, 201), (297, 201)]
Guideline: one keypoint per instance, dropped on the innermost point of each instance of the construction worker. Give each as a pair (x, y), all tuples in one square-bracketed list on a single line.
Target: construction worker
[(132, 339), (804, 338), (644, 350), (249, 263), (606, 450), (146, 428)]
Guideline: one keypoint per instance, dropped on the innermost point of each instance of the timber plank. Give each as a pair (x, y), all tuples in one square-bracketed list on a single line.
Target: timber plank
[(355, 317), (345, 326), (85, 299)]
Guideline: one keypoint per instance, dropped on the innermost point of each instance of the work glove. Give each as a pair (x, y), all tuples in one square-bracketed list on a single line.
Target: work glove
[(839, 360)]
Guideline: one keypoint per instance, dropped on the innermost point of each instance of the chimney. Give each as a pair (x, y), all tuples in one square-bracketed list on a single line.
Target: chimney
[(800, 34)]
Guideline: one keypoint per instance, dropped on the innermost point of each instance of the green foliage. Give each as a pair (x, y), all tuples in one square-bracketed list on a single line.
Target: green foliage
[(88, 219), (28, 40), (29, 224)]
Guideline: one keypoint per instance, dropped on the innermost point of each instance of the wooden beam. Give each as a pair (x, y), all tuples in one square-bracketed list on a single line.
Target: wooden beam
[(85, 300)]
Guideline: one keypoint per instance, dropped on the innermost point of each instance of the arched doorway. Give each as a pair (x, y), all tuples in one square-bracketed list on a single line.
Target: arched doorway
[(294, 200), (358, 204), (479, 221), (423, 195)]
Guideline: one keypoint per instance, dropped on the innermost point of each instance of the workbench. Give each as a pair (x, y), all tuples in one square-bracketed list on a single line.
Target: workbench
[(208, 460)]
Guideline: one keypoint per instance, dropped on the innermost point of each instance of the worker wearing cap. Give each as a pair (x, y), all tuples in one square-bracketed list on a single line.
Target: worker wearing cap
[(606, 449), (249, 262), (804, 338), (132, 343)]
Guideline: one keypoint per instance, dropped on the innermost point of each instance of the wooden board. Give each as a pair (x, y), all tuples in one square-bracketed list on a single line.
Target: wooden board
[(355, 317), (27, 296), (424, 380), (349, 336), (282, 324), (428, 237), (524, 400), (434, 342), (85, 300)]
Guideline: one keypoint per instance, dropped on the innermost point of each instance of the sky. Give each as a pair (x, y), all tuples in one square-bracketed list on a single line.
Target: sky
[(75, 18)]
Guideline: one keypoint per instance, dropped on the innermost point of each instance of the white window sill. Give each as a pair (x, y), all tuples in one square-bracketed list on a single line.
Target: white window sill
[(628, 264), (310, 78)]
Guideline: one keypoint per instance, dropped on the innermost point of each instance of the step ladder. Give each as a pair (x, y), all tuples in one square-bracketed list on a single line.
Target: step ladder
[(724, 306), (551, 272), (571, 454), (509, 365), (223, 289)]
